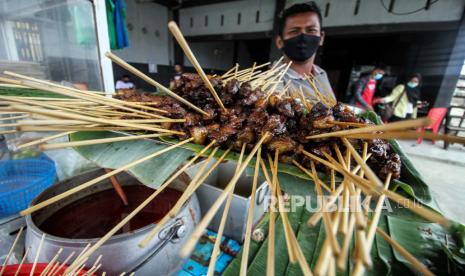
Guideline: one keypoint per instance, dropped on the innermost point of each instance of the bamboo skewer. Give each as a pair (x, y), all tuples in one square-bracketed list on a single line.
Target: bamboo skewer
[(335, 248), (376, 183), (90, 119), (50, 264), (270, 268), (53, 269), (39, 248), (18, 270), (315, 218), (291, 246), (63, 263), (98, 179), (224, 217), (176, 32), (416, 123), (10, 252), (140, 207), (370, 235), (402, 251), (150, 81), (322, 263), (14, 117), (249, 224), (312, 176), (187, 248), (45, 139), (98, 141), (184, 197), (408, 135), (194, 184), (85, 96), (91, 96)]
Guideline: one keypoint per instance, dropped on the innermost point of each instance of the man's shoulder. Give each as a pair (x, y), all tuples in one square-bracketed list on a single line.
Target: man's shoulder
[(318, 70)]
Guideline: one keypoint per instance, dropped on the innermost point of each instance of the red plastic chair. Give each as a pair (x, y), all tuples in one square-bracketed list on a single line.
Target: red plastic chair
[(436, 115)]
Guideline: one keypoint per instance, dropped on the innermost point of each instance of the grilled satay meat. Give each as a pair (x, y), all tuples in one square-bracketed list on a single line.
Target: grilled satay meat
[(250, 113)]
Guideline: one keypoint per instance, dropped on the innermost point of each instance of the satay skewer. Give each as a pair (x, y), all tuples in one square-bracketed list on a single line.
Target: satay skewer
[(224, 217), (69, 115), (20, 265), (36, 258), (10, 252), (98, 141), (150, 81), (250, 214), (91, 95), (415, 123), (376, 183), (189, 245), (176, 32)]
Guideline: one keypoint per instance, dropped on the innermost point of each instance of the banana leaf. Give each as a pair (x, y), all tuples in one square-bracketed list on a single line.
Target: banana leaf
[(385, 260), (152, 172)]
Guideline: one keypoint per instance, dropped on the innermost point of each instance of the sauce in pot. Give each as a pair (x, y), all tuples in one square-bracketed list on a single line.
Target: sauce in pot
[(95, 215)]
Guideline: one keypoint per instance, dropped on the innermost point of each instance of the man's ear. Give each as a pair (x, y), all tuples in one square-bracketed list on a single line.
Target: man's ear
[(322, 38), (279, 42)]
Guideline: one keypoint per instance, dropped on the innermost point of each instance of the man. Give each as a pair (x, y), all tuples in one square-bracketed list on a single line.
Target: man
[(299, 36), (177, 75), (124, 83), (365, 89)]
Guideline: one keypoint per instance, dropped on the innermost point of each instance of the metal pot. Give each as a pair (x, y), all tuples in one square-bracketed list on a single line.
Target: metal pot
[(121, 252)]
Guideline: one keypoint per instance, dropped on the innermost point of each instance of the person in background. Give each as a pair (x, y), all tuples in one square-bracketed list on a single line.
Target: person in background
[(124, 83), (178, 71), (299, 36), (405, 99), (365, 88)]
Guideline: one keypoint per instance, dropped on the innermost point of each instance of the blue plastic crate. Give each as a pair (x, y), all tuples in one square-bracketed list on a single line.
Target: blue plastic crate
[(21, 181)]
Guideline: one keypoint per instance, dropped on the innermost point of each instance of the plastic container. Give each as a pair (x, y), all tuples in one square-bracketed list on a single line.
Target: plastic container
[(21, 181)]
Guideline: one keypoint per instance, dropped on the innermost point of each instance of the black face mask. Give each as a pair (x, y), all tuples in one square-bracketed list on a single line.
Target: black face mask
[(301, 47)]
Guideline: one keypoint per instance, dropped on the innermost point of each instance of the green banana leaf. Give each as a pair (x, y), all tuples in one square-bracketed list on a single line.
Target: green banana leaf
[(414, 235), (152, 172)]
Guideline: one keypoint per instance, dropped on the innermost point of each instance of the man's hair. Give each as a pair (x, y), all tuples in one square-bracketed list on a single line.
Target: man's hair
[(296, 9), (125, 76), (415, 75)]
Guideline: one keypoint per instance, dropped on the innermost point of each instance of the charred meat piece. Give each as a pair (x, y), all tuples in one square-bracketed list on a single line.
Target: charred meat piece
[(199, 134), (251, 98), (319, 111), (192, 119), (324, 122), (319, 149), (343, 113), (232, 87), (282, 144), (247, 135), (379, 148), (275, 125), (393, 165), (257, 118), (285, 107)]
